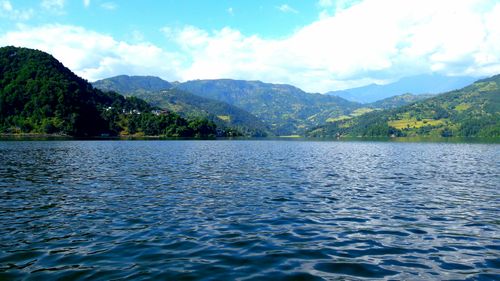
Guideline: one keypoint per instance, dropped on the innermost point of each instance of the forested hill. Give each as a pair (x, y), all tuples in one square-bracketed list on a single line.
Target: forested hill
[(131, 85), (224, 115), (473, 111), (159, 93), (398, 101), (40, 95), (287, 109)]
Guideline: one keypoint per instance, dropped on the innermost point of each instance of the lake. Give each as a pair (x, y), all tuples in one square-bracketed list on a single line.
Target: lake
[(249, 210)]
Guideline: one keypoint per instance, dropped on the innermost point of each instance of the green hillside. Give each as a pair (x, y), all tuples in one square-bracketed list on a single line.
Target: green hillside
[(39, 95), (286, 109), (473, 111), (398, 101), (229, 118), (223, 114)]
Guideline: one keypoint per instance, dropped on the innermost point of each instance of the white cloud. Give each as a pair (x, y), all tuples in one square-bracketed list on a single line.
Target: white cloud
[(7, 6), (230, 11), (109, 6), (325, 3), (8, 11), (364, 43), (92, 55), (86, 3), (285, 8), (225, 53), (332, 7), (54, 6), (371, 41)]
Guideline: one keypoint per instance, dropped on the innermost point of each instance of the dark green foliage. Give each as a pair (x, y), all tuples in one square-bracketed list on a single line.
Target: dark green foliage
[(473, 111), (169, 125), (481, 127), (39, 95), (446, 132)]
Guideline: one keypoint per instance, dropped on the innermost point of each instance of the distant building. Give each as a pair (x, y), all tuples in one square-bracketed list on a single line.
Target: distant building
[(158, 112)]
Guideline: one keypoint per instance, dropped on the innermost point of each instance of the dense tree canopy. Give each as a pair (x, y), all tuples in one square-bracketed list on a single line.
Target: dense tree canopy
[(39, 95)]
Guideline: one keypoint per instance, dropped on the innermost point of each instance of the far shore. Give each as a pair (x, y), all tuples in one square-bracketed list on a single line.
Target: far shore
[(420, 139)]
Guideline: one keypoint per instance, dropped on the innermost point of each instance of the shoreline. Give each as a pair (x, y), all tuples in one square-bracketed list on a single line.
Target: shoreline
[(421, 139)]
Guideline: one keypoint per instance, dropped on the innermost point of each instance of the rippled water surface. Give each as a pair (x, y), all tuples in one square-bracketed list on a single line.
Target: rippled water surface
[(249, 210)]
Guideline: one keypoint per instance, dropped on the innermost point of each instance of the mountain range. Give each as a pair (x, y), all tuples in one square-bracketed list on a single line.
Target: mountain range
[(162, 94), (40, 95), (284, 109), (416, 85), (288, 110), (473, 111)]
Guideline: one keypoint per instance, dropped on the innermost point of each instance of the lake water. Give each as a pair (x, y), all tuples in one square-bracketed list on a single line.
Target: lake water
[(249, 210)]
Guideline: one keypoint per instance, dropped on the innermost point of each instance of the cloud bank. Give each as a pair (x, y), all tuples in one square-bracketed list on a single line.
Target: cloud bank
[(93, 55), (352, 45)]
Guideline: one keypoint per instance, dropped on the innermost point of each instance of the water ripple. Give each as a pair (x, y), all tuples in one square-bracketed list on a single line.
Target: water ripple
[(249, 210)]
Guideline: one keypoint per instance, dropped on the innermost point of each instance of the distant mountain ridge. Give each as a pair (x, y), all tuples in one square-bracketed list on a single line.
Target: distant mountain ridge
[(416, 85), (40, 95), (132, 84), (398, 101), (286, 109), (473, 111)]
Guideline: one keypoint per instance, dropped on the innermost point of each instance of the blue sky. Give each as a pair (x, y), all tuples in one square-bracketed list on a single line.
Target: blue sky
[(318, 45), (269, 18)]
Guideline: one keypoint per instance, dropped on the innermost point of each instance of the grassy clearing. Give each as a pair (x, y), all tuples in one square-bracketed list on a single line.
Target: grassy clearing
[(355, 113), (462, 107), (361, 111), (225, 118), (343, 117), (414, 124), (486, 86)]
